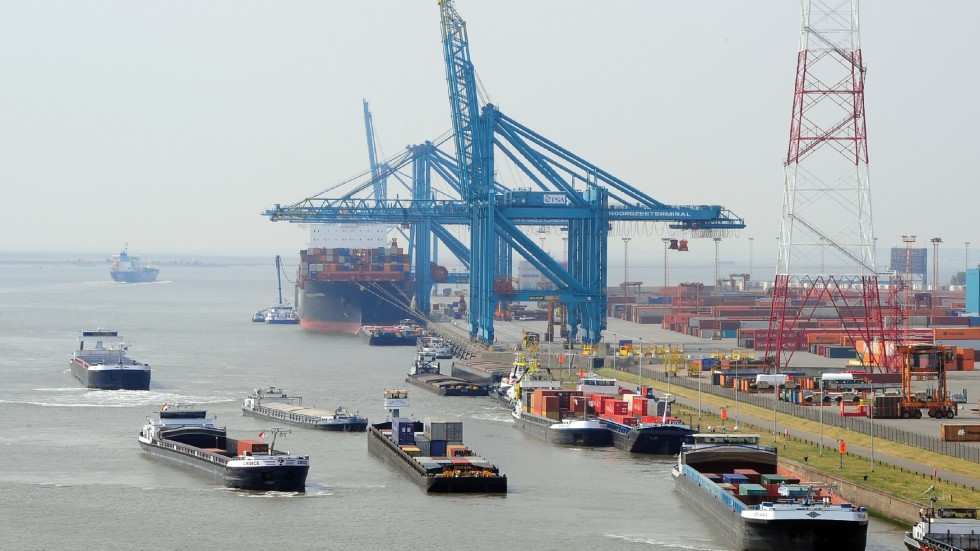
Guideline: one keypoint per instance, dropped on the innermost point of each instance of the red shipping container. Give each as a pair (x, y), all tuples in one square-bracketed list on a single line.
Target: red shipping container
[(253, 446), (616, 407), (640, 406), (550, 404)]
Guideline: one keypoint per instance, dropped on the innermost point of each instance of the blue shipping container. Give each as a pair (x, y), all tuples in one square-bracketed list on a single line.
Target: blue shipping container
[(437, 448)]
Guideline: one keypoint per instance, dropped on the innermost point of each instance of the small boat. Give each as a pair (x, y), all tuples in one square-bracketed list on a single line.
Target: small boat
[(732, 480), (946, 528), (437, 346), (100, 362), (189, 439), (431, 453), (281, 313), (426, 373), (274, 403), (128, 269)]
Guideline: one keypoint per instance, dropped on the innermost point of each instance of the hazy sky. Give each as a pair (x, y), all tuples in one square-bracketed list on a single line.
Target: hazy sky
[(172, 125)]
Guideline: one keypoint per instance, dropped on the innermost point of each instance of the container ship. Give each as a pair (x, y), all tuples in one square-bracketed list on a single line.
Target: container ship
[(432, 453), (189, 439), (351, 276), (633, 427), (733, 480), (549, 414)]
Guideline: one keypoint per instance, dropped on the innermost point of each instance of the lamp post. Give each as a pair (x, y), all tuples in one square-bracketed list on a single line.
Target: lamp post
[(751, 260), (737, 381), (626, 265), (821, 413), (775, 400), (717, 241), (699, 397), (872, 427), (966, 259), (935, 262), (666, 241)]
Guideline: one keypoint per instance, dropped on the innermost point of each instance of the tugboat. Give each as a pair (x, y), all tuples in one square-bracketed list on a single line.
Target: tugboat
[(274, 403), (431, 453), (134, 272), (100, 362), (188, 438)]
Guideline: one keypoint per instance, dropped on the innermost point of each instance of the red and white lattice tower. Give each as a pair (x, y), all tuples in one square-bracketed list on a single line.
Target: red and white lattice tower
[(826, 219)]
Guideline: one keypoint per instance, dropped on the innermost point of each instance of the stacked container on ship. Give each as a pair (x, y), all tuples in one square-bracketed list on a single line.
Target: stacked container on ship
[(633, 427), (351, 276), (559, 416), (431, 453), (732, 479), (189, 439)]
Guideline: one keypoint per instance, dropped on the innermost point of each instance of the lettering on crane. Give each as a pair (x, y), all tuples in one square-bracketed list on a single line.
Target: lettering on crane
[(555, 199)]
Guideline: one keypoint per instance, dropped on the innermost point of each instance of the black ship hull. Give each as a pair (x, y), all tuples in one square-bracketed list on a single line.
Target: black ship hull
[(655, 440), (135, 276), (383, 448), (541, 427), (344, 306), (123, 378)]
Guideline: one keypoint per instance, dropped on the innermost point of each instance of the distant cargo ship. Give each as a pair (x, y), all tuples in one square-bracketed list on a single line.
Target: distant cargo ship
[(351, 276), (128, 269)]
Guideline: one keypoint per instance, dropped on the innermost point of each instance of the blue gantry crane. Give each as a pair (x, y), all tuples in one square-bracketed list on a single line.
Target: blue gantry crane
[(566, 191)]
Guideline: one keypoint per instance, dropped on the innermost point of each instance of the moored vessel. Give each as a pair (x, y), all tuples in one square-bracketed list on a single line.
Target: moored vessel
[(127, 268), (426, 373), (274, 403), (351, 276), (558, 416), (431, 453), (281, 313), (633, 427), (435, 346), (189, 439), (945, 529), (405, 333), (100, 362), (733, 480)]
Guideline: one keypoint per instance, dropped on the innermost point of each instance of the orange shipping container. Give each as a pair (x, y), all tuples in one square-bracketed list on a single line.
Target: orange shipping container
[(252, 446), (954, 333)]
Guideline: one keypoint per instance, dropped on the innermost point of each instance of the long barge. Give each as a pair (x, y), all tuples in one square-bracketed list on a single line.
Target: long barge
[(548, 414), (273, 403), (100, 362), (426, 373), (634, 430), (732, 480), (457, 470), (189, 439)]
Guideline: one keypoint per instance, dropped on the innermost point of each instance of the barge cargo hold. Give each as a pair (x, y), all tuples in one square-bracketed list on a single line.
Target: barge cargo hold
[(946, 529), (732, 479), (426, 373), (439, 474), (188, 439), (273, 403)]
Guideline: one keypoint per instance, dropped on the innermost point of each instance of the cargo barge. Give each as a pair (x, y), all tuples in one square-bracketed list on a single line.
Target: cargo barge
[(273, 403), (405, 333), (100, 362), (447, 466), (426, 373), (633, 427), (732, 479), (351, 276), (189, 439), (946, 529), (548, 414)]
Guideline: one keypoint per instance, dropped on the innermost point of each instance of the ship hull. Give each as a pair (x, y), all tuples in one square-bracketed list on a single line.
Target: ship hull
[(344, 306), (541, 427), (656, 440), (134, 276), (447, 386), (122, 378)]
